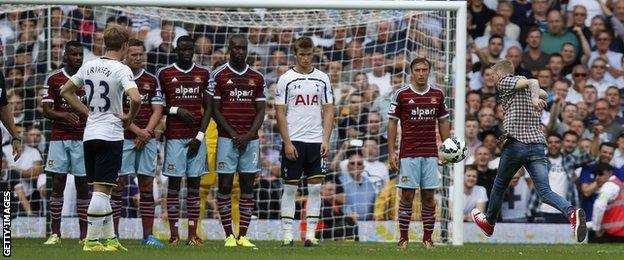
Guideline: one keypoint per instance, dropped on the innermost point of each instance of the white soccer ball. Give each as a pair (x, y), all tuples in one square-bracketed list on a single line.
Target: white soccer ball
[(453, 149)]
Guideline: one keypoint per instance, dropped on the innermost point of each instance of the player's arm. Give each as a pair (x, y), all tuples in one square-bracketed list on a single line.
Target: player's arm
[(280, 115), (135, 105), (220, 119), (392, 139), (68, 92), (67, 117), (444, 126), (194, 144), (328, 124)]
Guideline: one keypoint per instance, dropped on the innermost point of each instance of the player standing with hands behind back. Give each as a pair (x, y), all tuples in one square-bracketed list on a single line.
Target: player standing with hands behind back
[(305, 117), (419, 107), (525, 145), (105, 80)]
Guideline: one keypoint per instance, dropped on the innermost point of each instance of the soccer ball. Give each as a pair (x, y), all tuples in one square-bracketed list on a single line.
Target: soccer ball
[(453, 149)]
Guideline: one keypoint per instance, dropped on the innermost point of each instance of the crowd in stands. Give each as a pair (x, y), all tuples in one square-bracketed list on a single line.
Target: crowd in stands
[(574, 48)]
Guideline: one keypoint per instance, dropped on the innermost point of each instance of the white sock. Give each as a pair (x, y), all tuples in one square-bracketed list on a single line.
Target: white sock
[(95, 214), (313, 209), (108, 228), (288, 210)]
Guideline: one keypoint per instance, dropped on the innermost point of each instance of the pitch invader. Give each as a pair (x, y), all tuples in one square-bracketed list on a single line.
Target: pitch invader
[(65, 151), (239, 105), (185, 92), (419, 107), (140, 148), (305, 116), (105, 81)]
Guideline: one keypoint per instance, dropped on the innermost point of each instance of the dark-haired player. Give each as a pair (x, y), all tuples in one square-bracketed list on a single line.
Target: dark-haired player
[(185, 91), (65, 151)]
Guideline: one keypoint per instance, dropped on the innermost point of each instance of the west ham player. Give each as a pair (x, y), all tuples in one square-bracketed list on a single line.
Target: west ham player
[(239, 105), (140, 147), (65, 153), (185, 92), (419, 107), (105, 80), (305, 116)]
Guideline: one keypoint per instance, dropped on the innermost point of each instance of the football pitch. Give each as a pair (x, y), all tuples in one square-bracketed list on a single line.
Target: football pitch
[(69, 249)]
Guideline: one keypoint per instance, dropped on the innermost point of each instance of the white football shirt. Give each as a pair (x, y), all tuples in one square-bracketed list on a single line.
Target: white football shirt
[(105, 81), (304, 94)]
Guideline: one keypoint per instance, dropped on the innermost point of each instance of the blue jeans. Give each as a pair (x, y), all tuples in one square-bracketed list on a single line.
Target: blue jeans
[(533, 157)]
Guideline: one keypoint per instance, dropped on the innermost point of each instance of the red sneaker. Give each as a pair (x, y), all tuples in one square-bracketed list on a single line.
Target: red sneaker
[(479, 218), (577, 221)]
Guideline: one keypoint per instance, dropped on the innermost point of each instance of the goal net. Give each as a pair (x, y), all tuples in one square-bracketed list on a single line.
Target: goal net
[(366, 54)]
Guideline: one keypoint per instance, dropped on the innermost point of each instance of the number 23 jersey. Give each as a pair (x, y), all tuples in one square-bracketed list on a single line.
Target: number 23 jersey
[(105, 80)]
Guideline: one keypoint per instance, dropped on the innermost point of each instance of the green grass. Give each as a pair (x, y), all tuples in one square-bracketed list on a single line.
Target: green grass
[(33, 249)]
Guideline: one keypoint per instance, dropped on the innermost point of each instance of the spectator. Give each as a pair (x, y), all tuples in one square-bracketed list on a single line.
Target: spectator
[(481, 15), (203, 49), (579, 80), (617, 20), (384, 41), (352, 126), (597, 76), (578, 127), (335, 224), (608, 217), (515, 206), (514, 54), (612, 96), (338, 84), (379, 76), (162, 48), (474, 195), (591, 8), (618, 154), (534, 58), (269, 191), (373, 131), (473, 102), (258, 42), (360, 191), (489, 83), (570, 59), (498, 24), (557, 34), (35, 139), (610, 129), (491, 53), (382, 103), (97, 47), (338, 50), (471, 135), (355, 56), (613, 59), (576, 17), (561, 117), (487, 119), (545, 78), (485, 175), (589, 187), (377, 170), (555, 65), (512, 30), (590, 96)]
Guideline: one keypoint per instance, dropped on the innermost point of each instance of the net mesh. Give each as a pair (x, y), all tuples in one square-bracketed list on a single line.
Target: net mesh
[(364, 52)]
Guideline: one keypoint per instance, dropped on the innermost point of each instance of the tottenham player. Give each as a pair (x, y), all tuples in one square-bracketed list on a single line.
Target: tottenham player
[(65, 152), (140, 147), (305, 116), (105, 81), (419, 107), (239, 105), (185, 91)]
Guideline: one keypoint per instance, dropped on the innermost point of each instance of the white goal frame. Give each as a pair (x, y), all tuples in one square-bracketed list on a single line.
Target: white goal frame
[(457, 230)]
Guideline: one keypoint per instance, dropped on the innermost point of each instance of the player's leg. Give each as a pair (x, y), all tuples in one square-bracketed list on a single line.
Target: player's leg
[(99, 205), (429, 182), (512, 158), (56, 207), (538, 167), (128, 166), (174, 167), (249, 167), (82, 187), (57, 166), (115, 200), (408, 182), (227, 162), (196, 167), (108, 165), (291, 173), (146, 170), (314, 176)]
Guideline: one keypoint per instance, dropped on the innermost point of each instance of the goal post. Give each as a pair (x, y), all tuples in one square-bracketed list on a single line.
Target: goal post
[(454, 44)]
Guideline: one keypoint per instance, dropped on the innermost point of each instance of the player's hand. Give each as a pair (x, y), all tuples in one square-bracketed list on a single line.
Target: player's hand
[(186, 116), (193, 148), (143, 134), (139, 144), (441, 160), (324, 150), (394, 161), (71, 119), (291, 152), (241, 141), (127, 121), (17, 148), (538, 103)]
